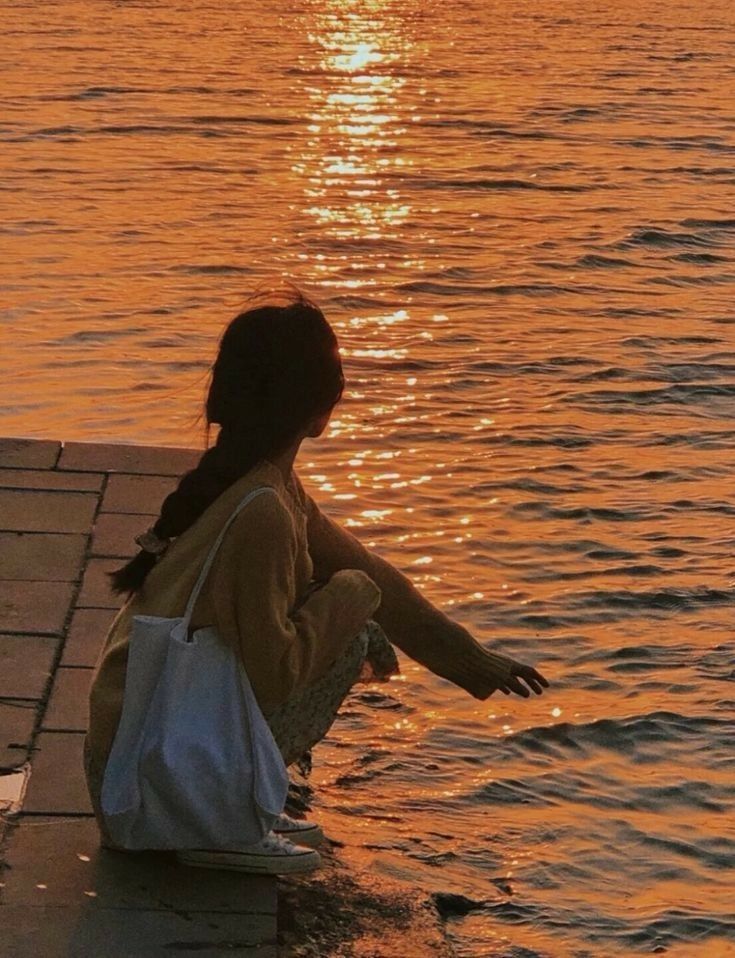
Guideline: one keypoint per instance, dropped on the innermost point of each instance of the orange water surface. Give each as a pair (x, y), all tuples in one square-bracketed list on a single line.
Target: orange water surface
[(520, 219)]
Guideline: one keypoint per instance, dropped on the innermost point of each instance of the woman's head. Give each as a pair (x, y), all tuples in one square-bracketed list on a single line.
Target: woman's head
[(276, 379), (277, 371)]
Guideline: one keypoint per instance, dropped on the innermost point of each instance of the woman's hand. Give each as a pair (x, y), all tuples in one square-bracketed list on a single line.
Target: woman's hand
[(492, 672), (523, 673)]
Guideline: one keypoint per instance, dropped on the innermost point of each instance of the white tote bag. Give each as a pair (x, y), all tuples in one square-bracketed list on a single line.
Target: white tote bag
[(193, 763)]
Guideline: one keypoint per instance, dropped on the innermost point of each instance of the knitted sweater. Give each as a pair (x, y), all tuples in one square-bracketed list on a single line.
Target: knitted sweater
[(254, 596)]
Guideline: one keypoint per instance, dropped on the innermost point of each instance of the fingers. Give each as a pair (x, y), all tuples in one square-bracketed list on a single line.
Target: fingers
[(533, 679), (515, 686)]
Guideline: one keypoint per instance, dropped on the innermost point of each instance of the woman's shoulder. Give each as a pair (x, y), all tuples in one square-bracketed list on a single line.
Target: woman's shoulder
[(262, 503), (258, 503), (265, 505)]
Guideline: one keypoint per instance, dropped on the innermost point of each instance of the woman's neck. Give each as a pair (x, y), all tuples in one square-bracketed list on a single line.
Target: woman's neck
[(285, 460)]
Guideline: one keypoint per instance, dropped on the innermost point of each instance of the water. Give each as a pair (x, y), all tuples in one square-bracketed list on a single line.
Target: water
[(519, 218)]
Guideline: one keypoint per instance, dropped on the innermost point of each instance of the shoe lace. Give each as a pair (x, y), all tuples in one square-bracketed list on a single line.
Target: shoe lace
[(277, 843)]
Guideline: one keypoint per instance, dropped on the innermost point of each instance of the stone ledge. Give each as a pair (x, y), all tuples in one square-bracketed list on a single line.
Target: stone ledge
[(17, 722), (136, 494), (96, 592), (114, 534), (50, 479), (88, 932), (29, 607), (29, 510), (42, 556), (120, 457), (65, 896), (67, 709), (29, 453), (57, 785), (64, 855), (86, 634), (26, 662)]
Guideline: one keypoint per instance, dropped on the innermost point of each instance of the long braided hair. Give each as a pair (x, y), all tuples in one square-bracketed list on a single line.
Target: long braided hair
[(277, 369)]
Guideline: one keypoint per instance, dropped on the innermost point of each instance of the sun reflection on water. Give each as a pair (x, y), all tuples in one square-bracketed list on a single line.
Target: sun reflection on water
[(356, 126)]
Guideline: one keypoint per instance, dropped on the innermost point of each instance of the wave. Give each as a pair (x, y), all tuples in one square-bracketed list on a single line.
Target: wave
[(490, 129), (527, 484), (211, 269), (705, 144), (713, 439), (186, 125), (505, 185), (656, 600), (684, 372), (722, 224), (606, 606), (500, 289), (640, 737), (93, 93), (699, 259), (557, 575), (653, 342), (648, 236), (561, 440), (543, 510), (597, 261), (683, 281), (679, 395), (551, 365)]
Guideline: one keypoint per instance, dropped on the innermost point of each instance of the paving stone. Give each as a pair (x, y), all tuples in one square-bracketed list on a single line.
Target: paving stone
[(86, 636), (50, 479), (87, 931), (67, 709), (114, 534), (96, 592), (41, 556), (25, 665), (57, 785), (25, 510), (17, 721), (34, 607), (29, 453), (139, 494), (64, 855), (118, 457)]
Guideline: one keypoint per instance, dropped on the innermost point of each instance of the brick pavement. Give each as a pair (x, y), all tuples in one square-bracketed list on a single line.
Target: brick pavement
[(68, 513)]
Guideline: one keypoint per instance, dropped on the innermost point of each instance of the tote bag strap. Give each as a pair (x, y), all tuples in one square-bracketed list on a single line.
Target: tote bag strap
[(182, 629)]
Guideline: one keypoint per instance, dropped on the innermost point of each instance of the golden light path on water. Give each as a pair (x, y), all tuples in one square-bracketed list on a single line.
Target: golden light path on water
[(356, 139), (352, 130)]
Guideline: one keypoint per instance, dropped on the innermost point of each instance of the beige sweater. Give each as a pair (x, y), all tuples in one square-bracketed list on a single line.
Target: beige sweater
[(254, 596)]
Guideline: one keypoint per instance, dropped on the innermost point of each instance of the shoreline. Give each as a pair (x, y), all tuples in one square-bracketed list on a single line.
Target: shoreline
[(343, 912)]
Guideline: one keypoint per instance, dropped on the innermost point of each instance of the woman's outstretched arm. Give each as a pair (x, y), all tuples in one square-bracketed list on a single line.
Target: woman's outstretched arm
[(410, 621)]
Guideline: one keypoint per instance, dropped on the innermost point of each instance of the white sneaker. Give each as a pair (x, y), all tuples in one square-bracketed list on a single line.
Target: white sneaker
[(272, 855), (298, 831)]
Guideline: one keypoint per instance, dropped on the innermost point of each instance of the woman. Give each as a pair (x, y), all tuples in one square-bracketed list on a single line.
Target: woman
[(306, 606)]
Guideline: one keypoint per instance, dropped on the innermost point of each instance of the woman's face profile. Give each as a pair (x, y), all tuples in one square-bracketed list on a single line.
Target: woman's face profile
[(317, 425)]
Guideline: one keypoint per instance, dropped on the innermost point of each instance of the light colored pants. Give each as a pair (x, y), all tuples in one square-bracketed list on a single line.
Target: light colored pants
[(306, 717)]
